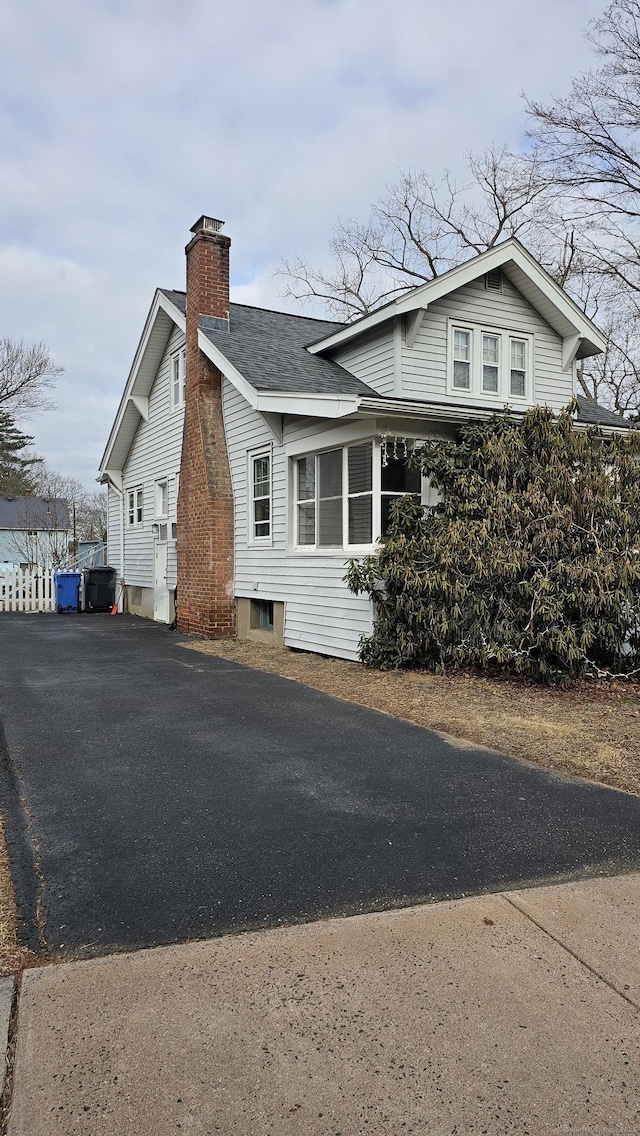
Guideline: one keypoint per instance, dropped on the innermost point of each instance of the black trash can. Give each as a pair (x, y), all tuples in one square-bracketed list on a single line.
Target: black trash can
[(99, 588)]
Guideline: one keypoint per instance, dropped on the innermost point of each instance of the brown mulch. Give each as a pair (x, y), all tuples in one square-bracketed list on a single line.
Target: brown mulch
[(591, 731)]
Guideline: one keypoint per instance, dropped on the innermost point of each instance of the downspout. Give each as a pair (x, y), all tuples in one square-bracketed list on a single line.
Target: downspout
[(122, 575), (120, 492)]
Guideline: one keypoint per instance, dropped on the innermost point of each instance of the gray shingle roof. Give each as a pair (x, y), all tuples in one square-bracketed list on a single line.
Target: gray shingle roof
[(592, 414), (268, 348), (177, 298), (48, 513)]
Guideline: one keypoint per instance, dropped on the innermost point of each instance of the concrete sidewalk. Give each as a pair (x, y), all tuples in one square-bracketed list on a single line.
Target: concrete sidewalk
[(512, 1013)]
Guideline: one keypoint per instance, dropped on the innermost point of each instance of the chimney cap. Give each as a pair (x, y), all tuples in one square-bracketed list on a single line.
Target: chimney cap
[(207, 224)]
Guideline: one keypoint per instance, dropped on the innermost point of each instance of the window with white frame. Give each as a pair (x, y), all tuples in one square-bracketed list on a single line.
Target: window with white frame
[(462, 358), (178, 371), (491, 362), (162, 498), (343, 496), (134, 506), (260, 465)]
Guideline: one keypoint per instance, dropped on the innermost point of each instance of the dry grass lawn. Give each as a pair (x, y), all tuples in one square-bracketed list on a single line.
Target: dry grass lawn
[(592, 731), (12, 957)]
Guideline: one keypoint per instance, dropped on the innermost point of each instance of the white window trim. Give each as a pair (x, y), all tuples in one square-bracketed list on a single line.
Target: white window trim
[(179, 357), (503, 395), (132, 507), (345, 549), (252, 456), (162, 515)]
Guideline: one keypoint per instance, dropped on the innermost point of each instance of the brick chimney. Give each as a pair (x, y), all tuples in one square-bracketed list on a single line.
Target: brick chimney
[(206, 604)]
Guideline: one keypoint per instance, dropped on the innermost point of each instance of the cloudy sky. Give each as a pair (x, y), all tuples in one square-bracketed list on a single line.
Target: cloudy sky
[(121, 121)]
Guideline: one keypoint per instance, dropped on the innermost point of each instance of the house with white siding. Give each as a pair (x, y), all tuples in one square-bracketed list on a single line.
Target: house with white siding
[(254, 452)]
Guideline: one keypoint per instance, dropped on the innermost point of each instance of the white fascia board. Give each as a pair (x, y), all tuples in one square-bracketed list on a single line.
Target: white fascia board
[(160, 303), (278, 402), (396, 408), (308, 405), (496, 257)]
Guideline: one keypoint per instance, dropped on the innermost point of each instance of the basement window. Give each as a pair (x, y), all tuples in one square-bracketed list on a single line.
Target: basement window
[(261, 618)]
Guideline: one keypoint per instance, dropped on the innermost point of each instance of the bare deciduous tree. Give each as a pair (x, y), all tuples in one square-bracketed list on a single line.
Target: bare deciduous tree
[(87, 508), (588, 144), (27, 372), (423, 227)]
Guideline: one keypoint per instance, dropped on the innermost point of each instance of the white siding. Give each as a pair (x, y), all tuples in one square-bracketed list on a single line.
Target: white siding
[(154, 456), (371, 360), (114, 506), (320, 612), (424, 366)]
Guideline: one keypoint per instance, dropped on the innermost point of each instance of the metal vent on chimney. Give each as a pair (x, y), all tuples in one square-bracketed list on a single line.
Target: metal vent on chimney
[(493, 280), (208, 224)]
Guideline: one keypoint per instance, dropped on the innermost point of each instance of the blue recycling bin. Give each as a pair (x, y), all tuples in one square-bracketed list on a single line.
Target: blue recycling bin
[(67, 589)]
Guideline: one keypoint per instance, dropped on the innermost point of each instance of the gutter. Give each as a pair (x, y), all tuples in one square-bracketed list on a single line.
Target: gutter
[(375, 407)]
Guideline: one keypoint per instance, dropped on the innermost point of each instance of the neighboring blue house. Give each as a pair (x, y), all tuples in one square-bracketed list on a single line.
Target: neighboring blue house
[(34, 531)]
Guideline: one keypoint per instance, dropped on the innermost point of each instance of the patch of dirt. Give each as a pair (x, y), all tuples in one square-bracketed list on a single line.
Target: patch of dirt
[(591, 731)]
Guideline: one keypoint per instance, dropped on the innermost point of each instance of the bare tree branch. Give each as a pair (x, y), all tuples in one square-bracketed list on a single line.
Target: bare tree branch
[(26, 373)]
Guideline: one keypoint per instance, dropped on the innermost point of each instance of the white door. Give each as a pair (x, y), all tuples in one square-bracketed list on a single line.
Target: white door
[(160, 589)]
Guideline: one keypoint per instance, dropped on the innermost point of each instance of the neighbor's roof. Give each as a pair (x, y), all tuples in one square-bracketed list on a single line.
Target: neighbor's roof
[(49, 513), (269, 349)]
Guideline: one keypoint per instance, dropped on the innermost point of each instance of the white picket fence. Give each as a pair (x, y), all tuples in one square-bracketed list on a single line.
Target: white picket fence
[(27, 589)]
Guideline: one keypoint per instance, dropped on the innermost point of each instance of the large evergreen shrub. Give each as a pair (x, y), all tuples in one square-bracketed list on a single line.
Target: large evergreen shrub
[(531, 561)]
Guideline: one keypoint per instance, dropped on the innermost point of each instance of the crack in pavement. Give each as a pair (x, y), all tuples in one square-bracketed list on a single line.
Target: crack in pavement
[(565, 947)]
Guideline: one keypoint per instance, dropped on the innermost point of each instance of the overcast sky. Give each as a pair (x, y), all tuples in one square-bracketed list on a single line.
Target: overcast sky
[(122, 121)]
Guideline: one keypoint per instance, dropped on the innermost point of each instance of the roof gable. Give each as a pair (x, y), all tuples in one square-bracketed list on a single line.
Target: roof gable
[(580, 335), (166, 312)]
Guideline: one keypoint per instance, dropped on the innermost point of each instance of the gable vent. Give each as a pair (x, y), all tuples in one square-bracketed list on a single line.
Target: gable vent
[(493, 280)]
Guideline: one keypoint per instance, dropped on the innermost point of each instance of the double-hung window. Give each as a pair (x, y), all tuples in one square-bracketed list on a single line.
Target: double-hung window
[(178, 371), (461, 359), (490, 362), (260, 466), (134, 506), (518, 368)]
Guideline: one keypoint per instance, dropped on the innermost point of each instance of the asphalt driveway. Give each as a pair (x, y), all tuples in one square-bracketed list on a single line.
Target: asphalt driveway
[(152, 795)]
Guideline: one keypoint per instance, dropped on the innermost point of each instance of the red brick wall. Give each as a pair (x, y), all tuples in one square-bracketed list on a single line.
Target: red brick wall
[(206, 605)]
